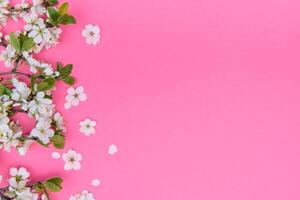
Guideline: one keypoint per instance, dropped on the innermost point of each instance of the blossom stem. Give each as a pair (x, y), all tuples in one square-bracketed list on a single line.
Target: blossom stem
[(16, 73)]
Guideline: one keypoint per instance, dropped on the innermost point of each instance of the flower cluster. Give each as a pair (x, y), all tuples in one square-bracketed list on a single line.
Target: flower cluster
[(33, 95), (20, 189)]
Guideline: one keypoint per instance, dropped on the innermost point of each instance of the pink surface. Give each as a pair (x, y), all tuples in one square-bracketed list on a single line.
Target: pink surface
[(201, 97)]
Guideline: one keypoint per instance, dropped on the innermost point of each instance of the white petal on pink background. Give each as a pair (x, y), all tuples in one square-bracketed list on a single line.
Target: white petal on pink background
[(72, 160), (112, 149), (91, 34), (55, 155), (96, 182), (74, 97), (87, 127)]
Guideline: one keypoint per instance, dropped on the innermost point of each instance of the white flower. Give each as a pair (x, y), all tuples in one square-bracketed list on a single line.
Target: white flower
[(84, 195), (3, 11), (41, 105), (87, 127), (8, 55), (72, 160), (22, 150), (55, 34), (38, 7), (30, 19), (55, 155), (26, 194), (112, 149), (96, 182), (39, 32), (19, 178), (91, 34), (59, 121), (33, 63), (43, 130), (44, 197), (21, 90), (75, 96)]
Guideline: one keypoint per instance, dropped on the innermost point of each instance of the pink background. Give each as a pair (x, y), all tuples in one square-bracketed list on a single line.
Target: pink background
[(201, 97)]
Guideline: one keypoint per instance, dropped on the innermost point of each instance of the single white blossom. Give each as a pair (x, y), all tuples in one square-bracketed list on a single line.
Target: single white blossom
[(72, 160), (43, 130), (39, 32), (96, 182), (19, 178), (112, 149), (55, 155), (91, 34), (87, 127), (74, 96)]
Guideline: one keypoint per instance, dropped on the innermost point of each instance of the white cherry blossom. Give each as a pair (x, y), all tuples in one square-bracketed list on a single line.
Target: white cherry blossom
[(112, 149), (91, 34), (72, 160), (74, 96), (39, 32), (87, 127), (19, 177), (43, 131)]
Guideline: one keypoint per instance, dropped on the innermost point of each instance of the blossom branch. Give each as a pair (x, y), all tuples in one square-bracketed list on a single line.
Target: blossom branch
[(20, 189), (16, 73)]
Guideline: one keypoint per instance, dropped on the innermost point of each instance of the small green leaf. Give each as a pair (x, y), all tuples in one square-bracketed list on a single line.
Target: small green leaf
[(52, 186), (68, 80), (14, 40), (52, 2), (66, 71), (58, 141), (66, 19), (4, 90), (46, 84), (53, 14), (38, 187), (59, 66), (28, 44), (43, 86), (63, 9), (55, 180)]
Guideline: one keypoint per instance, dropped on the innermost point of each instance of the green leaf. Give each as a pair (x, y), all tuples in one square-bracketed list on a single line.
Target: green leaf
[(52, 2), (63, 9), (52, 186), (46, 84), (53, 14), (59, 66), (66, 71), (28, 44), (55, 180), (68, 80), (14, 40), (43, 86), (38, 187), (4, 90), (58, 141), (66, 19)]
